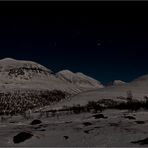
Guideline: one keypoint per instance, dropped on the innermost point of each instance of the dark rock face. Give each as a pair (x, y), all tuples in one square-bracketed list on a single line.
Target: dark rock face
[(22, 70), (22, 137), (141, 142), (34, 122)]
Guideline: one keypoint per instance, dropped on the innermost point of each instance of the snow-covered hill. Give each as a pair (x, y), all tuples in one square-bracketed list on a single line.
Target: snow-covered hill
[(27, 84), (18, 74), (116, 83), (79, 79), (138, 88)]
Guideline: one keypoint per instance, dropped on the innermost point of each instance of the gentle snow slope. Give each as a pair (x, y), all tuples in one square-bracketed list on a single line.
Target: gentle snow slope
[(138, 87)]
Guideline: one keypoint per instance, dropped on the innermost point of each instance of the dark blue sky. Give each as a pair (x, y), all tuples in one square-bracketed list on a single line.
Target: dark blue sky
[(105, 40)]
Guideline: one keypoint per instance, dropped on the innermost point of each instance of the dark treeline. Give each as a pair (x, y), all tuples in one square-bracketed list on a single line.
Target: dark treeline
[(19, 102), (129, 104)]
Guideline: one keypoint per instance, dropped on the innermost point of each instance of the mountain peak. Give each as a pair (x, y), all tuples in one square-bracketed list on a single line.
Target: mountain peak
[(10, 63), (66, 71), (118, 82), (79, 79), (7, 59), (28, 74)]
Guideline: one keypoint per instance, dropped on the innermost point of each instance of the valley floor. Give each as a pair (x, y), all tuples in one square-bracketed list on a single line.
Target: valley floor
[(109, 128)]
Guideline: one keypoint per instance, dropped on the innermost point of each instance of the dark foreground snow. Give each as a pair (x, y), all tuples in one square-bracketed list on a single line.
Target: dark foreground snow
[(118, 128)]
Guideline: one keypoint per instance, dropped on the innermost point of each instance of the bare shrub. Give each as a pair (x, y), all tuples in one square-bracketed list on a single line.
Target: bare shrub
[(129, 95)]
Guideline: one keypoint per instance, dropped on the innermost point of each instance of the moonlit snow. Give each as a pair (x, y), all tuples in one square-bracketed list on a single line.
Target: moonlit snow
[(18, 74), (62, 123)]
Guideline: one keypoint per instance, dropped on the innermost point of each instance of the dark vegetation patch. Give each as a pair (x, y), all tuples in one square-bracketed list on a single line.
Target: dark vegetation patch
[(66, 137), (42, 130), (36, 121), (114, 124), (141, 142), (86, 131), (87, 123), (97, 127), (98, 116), (107, 103), (68, 122), (133, 105), (21, 71), (44, 125), (78, 129), (12, 122), (94, 106), (140, 122), (21, 137), (21, 101), (38, 127), (130, 117), (127, 103)]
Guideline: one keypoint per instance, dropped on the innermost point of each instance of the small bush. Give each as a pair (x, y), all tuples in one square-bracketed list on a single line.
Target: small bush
[(129, 95), (77, 109), (133, 105), (92, 105)]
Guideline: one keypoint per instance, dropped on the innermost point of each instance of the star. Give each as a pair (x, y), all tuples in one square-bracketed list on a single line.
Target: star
[(98, 43)]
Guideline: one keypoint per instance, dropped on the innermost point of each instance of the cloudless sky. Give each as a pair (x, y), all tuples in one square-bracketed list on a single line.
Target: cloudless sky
[(105, 40)]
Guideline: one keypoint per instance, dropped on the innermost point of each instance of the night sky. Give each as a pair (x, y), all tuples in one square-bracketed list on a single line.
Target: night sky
[(105, 40)]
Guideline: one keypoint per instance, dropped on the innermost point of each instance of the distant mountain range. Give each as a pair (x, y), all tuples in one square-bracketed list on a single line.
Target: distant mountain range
[(116, 83), (18, 74), (27, 84)]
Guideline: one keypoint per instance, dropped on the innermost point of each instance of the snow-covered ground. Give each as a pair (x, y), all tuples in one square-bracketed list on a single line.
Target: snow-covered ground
[(79, 130), (115, 128), (19, 74)]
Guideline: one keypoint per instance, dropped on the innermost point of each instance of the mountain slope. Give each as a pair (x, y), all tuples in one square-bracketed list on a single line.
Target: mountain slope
[(116, 83), (138, 87), (27, 85), (18, 74), (79, 79)]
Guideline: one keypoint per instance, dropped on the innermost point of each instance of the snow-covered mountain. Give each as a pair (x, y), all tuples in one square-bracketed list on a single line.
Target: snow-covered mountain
[(138, 88), (18, 74), (116, 83), (142, 79), (79, 79)]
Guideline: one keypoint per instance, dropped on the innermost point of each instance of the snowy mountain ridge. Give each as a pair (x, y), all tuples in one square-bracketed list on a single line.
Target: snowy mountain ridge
[(79, 79), (19, 74)]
